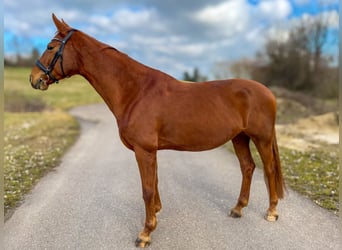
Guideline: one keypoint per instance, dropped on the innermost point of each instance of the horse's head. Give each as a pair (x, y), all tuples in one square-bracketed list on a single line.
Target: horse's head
[(58, 60)]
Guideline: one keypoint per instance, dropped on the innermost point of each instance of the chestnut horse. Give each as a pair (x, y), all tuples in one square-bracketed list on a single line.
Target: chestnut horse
[(155, 111)]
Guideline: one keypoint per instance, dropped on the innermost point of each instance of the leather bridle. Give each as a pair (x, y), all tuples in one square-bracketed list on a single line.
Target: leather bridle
[(59, 55)]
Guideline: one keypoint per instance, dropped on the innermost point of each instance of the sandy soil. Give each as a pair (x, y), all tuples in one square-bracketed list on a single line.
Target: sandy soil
[(308, 133)]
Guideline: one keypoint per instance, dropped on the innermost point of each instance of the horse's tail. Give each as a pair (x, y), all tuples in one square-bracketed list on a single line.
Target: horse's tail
[(279, 180)]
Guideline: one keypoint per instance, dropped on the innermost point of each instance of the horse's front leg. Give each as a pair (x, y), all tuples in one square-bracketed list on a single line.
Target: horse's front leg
[(148, 173)]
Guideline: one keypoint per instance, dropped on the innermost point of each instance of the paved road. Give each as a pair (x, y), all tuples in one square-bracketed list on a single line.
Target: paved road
[(93, 201)]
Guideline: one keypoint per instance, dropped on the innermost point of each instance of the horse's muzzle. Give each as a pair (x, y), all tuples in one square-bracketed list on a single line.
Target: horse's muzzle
[(39, 83)]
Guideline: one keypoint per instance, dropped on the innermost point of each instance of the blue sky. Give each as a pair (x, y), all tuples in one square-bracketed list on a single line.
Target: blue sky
[(173, 36)]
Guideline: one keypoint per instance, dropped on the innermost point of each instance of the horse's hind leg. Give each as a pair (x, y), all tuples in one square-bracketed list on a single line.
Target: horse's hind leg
[(247, 165), (157, 202), (266, 153)]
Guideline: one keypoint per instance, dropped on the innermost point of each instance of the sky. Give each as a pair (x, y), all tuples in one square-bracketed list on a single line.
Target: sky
[(170, 35)]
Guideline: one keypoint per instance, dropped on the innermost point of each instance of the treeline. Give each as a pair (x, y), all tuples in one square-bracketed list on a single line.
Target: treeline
[(22, 61)]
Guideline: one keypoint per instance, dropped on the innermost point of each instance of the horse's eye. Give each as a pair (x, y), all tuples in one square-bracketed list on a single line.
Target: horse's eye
[(49, 47)]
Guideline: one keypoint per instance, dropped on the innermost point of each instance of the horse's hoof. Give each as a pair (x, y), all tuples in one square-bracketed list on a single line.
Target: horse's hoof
[(271, 217), (158, 210), (142, 243), (235, 214)]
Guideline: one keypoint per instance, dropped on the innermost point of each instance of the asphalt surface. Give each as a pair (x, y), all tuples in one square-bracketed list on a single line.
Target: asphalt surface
[(93, 200)]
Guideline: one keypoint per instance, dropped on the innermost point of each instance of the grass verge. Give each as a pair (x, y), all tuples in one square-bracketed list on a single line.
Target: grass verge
[(314, 174), (34, 143)]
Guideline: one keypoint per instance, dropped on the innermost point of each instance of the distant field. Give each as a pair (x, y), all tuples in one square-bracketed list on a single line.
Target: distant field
[(37, 129), (68, 93)]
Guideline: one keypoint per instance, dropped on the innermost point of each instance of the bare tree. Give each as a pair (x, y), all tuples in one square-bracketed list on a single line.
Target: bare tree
[(299, 62)]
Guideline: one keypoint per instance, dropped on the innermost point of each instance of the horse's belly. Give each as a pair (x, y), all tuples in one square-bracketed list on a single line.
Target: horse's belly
[(197, 138)]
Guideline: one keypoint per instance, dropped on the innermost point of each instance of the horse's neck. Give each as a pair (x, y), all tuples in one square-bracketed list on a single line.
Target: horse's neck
[(115, 76)]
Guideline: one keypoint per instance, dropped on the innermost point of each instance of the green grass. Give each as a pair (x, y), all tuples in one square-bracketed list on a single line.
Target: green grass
[(37, 129), (68, 93), (314, 174)]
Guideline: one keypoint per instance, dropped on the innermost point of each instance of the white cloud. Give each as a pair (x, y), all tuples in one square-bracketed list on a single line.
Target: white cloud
[(332, 18), (275, 9), (229, 16), (238, 18), (127, 18)]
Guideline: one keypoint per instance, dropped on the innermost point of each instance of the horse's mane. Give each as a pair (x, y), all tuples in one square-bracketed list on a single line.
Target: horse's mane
[(107, 47)]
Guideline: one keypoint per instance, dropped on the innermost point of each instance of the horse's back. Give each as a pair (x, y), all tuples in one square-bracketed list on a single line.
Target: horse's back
[(252, 89), (247, 97)]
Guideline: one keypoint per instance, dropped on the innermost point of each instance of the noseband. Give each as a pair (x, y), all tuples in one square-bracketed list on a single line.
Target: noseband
[(59, 54)]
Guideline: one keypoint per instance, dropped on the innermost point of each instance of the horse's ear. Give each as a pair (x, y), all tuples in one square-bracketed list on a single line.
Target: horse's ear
[(62, 27)]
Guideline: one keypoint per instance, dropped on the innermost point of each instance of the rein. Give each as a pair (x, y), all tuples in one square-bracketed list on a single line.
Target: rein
[(59, 54)]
